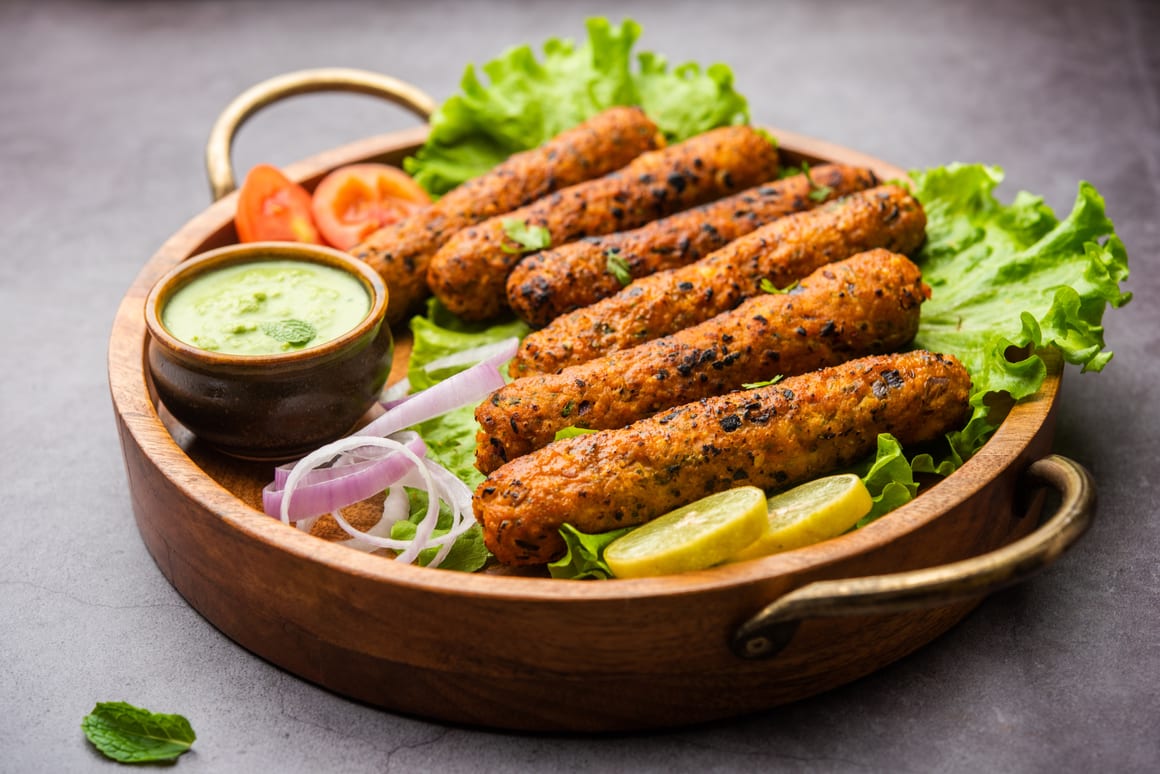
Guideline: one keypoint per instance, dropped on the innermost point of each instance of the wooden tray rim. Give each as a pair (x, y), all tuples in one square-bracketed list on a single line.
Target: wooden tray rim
[(134, 405)]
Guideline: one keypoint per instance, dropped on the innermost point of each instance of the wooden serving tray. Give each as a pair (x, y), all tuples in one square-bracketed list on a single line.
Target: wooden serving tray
[(533, 653)]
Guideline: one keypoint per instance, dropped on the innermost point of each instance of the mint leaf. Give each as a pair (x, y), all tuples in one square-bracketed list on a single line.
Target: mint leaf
[(818, 193), (297, 333), (527, 239), (618, 268), (584, 559), (133, 735)]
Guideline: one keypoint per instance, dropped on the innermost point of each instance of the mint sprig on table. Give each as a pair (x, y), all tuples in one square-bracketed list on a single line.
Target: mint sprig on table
[(134, 735)]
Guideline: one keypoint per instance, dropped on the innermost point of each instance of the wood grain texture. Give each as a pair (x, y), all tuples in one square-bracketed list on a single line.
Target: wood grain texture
[(525, 652)]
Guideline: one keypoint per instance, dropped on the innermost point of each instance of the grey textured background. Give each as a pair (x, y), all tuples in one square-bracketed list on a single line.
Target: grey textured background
[(104, 111)]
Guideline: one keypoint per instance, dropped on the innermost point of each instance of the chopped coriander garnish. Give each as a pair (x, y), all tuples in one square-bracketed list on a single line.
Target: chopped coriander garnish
[(571, 432), (766, 383), (768, 287), (527, 239), (617, 267), (819, 193)]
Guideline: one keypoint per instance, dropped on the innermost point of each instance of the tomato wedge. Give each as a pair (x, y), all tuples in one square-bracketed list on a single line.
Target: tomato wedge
[(272, 207), (354, 201)]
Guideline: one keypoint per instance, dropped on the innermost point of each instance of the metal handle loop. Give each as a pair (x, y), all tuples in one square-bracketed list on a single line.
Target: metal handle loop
[(221, 137), (770, 630)]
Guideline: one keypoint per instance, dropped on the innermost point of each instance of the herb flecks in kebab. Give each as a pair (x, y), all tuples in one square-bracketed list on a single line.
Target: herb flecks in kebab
[(868, 304), (552, 282), (402, 251), (781, 252), (770, 437), (469, 273)]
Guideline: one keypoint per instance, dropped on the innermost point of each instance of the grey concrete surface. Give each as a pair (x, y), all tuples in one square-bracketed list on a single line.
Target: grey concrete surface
[(104, 111)]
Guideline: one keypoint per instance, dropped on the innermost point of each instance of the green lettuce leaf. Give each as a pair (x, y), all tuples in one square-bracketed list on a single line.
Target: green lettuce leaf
[(450, 438), (584, 559), (440, 333), (1012, 275), (467, 554), (1008, 280), (890, 479), (527, 101)]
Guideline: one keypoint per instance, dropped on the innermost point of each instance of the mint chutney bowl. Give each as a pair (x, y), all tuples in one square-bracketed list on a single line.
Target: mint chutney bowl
[(267, 350)]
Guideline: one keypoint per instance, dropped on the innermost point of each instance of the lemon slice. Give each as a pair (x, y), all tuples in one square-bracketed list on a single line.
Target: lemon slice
[(693, 537), (810, 513)]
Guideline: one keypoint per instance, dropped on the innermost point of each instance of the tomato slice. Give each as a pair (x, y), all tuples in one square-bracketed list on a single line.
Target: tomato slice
[(272, 207), (354, 201)]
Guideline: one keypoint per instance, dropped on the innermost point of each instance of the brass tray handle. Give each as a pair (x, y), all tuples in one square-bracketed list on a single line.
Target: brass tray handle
[(769, 631), (221, 136)]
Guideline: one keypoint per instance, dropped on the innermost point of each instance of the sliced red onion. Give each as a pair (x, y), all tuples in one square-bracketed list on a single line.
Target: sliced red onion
[(443, 486), (359, 466), (495, 354), (355, 477), (396, 393), (465, 387), (396, 508), (343, 464), (420, 473)]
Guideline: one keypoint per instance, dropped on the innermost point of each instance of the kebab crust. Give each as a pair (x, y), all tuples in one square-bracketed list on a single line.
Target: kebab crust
[(401, 252), (469, 273), (552, 282), (868, 304), (781, 252), (770, 437)]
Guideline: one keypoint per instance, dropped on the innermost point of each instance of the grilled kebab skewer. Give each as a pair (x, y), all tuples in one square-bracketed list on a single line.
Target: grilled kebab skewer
[(401, 252), (867, 304), (469, 273), (549, 283), (774, 436), (779, 253)]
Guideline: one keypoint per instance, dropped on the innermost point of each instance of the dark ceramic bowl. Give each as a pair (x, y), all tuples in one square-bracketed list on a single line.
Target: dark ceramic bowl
[(270, 407)]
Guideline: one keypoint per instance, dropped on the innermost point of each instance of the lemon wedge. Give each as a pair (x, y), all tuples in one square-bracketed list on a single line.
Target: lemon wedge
[(693, 537), (815, 511)]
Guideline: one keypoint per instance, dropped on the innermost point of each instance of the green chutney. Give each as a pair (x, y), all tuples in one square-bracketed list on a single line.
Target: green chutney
[(266, 307)]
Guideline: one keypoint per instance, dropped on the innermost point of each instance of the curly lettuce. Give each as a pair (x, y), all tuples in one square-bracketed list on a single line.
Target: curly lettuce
[(526, 101), (1005, 278)]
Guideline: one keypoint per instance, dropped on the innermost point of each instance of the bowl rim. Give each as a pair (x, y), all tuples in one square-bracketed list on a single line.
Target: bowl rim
[(138, 411), (201, 263)]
